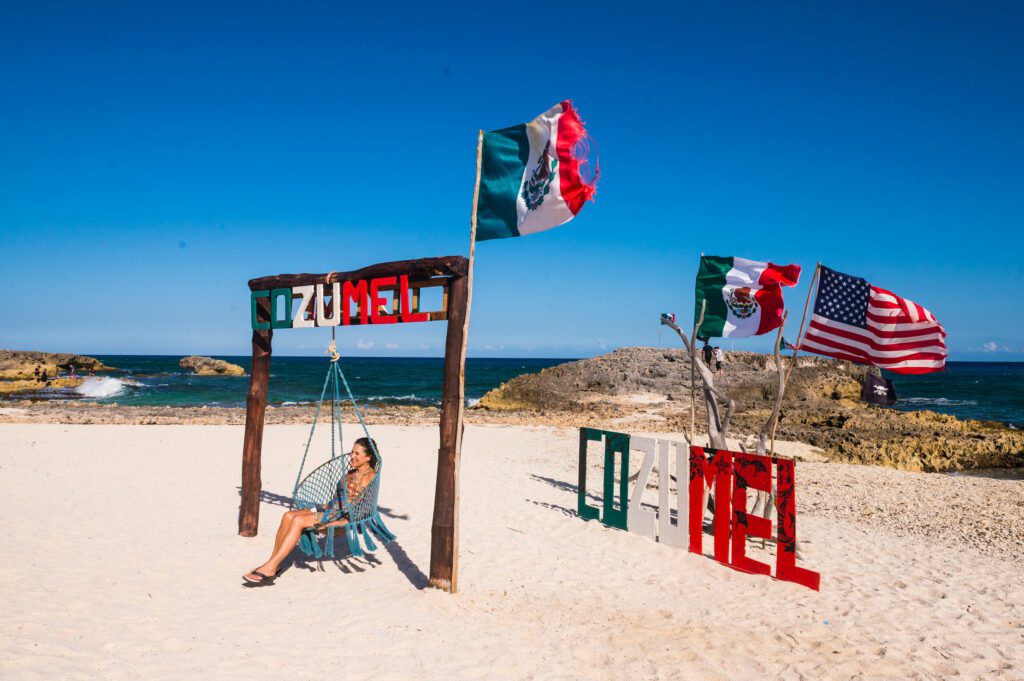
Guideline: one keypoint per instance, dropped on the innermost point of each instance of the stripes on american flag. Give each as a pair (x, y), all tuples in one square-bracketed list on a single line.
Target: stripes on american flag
[(862, 323)]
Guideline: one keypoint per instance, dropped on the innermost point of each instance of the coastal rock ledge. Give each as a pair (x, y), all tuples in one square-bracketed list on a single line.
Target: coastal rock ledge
[(648, 388), (18, 365), (207, 366)]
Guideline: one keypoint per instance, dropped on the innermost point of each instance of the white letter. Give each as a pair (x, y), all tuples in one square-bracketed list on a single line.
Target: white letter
[(300, 317), (639, 521), (335, 319), (673, 535)]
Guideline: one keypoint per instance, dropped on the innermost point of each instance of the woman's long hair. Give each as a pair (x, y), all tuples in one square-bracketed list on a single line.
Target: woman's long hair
[(369, 445)]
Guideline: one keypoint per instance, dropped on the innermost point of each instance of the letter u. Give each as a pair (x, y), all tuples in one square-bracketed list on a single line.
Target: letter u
[(335, 318)]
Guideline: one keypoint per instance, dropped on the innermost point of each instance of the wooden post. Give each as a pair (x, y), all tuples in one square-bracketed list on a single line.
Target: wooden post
[(773, 419), (693, 372), (444, 535), (800, 331), (255, 410)]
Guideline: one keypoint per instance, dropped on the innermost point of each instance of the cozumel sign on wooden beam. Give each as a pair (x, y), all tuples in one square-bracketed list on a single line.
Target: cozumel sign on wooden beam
[(697, 470), (369, 296)]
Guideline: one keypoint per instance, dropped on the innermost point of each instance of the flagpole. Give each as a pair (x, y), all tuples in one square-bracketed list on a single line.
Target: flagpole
[(782, 383), (693, 372), (444, 537), (800, 331)]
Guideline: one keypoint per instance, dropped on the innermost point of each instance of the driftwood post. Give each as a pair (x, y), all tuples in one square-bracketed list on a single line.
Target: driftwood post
[(255, 410), (717, 423), (773, 419), (444, 538)]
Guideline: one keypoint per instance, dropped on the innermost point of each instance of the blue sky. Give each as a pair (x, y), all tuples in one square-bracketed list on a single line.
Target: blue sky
[(155, 157)]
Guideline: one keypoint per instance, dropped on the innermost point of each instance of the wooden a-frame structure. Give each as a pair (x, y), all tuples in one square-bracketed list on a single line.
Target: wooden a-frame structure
[(405, 280)]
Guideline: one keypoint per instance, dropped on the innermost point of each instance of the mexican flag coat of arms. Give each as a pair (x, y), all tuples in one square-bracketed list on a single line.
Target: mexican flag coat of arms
[(532, 175), (741, 297)]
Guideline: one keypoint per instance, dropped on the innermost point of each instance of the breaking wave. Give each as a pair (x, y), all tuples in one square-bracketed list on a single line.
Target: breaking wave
[(102, 387), (939, 401)]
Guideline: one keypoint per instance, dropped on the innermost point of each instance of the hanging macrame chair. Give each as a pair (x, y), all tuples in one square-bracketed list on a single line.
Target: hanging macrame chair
[(326, 483)]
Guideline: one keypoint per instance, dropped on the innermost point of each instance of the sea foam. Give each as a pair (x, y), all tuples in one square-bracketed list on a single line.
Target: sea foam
[(100, 387)]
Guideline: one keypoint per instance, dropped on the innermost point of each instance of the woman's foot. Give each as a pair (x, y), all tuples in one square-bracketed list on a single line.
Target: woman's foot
[(260, 575)]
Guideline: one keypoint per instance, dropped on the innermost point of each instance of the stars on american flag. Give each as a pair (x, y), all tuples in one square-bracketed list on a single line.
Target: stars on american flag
[(843, 298)]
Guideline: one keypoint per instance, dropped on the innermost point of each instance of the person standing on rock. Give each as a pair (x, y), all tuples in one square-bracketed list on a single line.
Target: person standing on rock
[(709, 353), (719, 359), (36, 373)]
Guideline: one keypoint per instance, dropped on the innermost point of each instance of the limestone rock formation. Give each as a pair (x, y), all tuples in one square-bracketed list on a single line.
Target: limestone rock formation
[(20, 364), (822, 407), (207, 366)]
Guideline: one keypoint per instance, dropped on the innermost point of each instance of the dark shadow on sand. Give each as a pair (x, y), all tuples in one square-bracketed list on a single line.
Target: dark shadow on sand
[(343, 560)]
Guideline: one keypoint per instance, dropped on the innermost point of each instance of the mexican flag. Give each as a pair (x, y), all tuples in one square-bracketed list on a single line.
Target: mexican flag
[(531, 176), (744, 297)]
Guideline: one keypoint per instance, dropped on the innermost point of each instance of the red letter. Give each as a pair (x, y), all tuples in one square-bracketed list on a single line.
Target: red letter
[(749, 471), (356, 292), (377, 301), (701, 472), (785, 557), (407, 314)]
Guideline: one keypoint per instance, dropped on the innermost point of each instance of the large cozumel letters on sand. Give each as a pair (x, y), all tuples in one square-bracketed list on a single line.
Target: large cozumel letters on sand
[(697, 470)]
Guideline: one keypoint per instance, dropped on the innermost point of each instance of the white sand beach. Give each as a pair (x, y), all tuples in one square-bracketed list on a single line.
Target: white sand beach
[(121, 561)]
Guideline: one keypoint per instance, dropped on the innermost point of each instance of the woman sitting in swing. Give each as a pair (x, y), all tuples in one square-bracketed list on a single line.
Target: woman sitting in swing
[(362, 469)]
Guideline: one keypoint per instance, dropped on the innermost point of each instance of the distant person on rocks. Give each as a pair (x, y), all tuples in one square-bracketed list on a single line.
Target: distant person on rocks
[(709, 353), (73, 374), (92, 371), (43, 377), (719, 359), (36, 373)]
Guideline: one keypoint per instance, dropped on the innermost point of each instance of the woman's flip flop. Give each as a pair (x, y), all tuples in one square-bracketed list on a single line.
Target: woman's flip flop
[(264, 580)]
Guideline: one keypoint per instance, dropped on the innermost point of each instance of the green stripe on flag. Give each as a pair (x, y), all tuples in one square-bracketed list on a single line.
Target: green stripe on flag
[(505, 153), (710, 280)]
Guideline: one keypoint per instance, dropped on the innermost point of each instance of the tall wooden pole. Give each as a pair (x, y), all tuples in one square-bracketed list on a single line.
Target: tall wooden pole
[(692, 347), (255, 410), (444, 537), (800, 331), (784, 380)]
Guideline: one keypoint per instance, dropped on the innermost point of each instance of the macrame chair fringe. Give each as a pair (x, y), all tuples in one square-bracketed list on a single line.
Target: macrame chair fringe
[(325, 485)]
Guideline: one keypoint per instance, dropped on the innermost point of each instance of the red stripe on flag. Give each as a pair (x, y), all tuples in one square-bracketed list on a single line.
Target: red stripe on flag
[(769, 297), (888, 356), (779, 275), (771, 304), (873, 342), (575, 191)]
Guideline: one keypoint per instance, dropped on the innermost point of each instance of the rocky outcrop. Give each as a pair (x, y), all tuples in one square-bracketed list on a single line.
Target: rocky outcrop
[(628, 371), (822, 407), (207, 366), (21, 364)]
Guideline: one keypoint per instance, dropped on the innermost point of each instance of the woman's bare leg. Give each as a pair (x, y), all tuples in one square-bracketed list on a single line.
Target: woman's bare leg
[(288, 542), (282, 529)]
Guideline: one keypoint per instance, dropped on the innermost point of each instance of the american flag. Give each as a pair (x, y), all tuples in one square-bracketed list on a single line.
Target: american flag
[(863, 323)]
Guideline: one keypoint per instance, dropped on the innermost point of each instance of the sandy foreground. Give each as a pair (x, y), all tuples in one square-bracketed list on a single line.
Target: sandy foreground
[(121, 560)]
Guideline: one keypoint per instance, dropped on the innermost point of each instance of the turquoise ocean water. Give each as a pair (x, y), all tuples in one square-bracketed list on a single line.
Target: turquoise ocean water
[(976, 390), (158, 380)]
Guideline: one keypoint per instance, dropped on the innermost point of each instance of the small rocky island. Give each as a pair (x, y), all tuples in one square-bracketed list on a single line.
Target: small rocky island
[(207, 366)]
